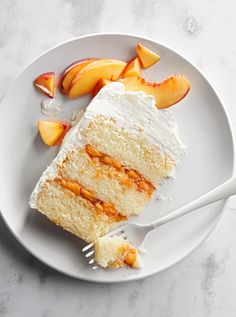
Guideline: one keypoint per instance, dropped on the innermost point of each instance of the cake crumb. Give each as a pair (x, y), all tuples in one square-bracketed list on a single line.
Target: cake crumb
[(160, 197), (142, 250)]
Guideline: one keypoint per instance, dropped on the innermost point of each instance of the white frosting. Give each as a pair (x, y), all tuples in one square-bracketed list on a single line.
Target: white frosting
[(76, 117), (135, 112), (50, 107)]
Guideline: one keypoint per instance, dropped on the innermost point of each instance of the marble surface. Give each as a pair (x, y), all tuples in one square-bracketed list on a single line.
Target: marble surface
[(204, 284)]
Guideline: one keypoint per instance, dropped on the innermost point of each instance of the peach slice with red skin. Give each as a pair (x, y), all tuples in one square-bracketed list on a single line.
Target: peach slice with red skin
[(147, 56), (85, 81), (165, 93), (133, 69), (70, 72), (52, 132), (100, 84), (45, 83)]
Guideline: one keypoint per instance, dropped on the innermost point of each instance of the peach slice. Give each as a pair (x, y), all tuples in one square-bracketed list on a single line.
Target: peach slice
[(166, 93), (147, 57), (86, 80), (100, 84), (70, 72), (133, 69), (45, 83), (52, 132)]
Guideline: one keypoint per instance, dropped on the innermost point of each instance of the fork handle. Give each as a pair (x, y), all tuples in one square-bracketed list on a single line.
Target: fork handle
[(224, 190)]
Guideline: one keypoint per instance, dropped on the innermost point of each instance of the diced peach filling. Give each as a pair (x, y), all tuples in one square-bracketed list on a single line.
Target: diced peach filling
[(131, 177), (101, 206), (129, 256)]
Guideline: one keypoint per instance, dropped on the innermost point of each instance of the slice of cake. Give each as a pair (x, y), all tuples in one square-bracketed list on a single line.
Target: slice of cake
[(110, 163), (114, 252)]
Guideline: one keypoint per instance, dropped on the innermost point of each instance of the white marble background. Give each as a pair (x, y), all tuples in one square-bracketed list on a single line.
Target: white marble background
[(204, 284)]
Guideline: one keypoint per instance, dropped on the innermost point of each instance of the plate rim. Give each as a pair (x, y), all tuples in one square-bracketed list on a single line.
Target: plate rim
[(231, 135)]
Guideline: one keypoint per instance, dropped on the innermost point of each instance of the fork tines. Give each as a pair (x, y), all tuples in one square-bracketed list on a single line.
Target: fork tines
[(87, 247)]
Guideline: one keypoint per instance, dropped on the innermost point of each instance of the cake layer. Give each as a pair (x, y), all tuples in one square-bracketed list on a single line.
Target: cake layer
[(74, 213), (109, 164), (129, 178), (115, 252), (131, 151), (108, 183)]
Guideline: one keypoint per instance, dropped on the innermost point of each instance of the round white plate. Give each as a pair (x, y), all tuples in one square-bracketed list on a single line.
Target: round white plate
[(203, 127)]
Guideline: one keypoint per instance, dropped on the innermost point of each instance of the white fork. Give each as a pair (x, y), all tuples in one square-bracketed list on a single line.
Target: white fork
[(136, 233)]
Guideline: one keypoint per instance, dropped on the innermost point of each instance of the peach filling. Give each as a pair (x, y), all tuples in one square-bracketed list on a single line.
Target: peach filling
[(131, 177), (100, 206), (129, 256)]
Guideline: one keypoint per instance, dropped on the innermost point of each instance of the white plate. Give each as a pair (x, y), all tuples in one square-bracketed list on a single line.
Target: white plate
[(203, 126)]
